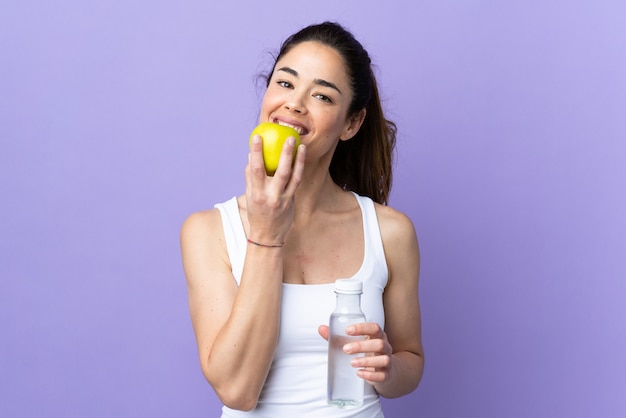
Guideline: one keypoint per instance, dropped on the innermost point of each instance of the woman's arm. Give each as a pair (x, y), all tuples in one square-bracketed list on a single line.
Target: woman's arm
[(394, 360), (236, 327)]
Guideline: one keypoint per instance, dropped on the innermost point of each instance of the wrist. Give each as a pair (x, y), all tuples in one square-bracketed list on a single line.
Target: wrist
[(266, 244)]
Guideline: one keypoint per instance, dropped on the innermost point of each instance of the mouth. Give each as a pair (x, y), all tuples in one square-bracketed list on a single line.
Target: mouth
[(300, 129)]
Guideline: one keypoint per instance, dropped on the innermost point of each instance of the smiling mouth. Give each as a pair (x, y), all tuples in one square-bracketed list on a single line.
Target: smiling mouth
[(301, 131)]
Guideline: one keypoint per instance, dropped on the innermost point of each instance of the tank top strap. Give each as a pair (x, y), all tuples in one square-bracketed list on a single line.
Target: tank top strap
[(374, 250), (234, 234)]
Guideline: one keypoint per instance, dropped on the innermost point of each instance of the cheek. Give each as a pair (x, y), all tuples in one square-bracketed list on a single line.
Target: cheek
[(338, 124), (269, 103), (265, 109)]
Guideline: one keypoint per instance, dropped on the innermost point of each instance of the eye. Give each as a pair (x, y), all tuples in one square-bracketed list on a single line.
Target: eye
[(285, 84), (323, 98)]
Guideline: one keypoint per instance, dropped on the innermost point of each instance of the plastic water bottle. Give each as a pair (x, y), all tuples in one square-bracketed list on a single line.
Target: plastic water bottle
[(345, 388)]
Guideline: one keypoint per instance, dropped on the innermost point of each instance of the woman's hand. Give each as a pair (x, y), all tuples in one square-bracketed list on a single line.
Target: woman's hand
[(270, 198), (375, 366)]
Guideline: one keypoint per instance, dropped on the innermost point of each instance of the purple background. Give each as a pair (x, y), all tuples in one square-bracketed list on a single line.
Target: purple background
[(118, 119)]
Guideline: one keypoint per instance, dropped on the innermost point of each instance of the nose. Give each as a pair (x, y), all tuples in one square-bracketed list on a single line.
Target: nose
[(295, 103)]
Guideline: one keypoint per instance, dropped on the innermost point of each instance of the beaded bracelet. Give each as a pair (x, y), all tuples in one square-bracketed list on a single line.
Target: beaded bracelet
[(258, 244)]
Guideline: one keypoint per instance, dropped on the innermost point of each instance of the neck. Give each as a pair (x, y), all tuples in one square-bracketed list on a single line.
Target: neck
[(317, 192)]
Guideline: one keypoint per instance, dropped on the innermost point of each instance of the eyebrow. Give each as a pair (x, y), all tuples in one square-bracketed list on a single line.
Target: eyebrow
[(317, 81)]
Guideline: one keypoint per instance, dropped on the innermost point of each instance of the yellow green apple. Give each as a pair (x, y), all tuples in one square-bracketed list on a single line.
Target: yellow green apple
[(274, 137)]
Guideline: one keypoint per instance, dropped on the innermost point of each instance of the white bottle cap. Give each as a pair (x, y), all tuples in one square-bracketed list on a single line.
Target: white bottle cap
[(351, 286)]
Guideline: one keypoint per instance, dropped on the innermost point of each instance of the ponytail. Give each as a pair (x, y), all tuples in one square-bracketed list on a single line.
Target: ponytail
[(364, 163)]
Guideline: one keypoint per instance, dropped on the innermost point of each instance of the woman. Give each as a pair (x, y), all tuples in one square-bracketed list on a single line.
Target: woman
[(260, 267)]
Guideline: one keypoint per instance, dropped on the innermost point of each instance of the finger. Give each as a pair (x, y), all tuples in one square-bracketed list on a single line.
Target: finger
[(248, 174), (298, 170), (373, 376), (376, 345), (286, 156), (371, 362), (255, 160), (323, 331), (371, 329)]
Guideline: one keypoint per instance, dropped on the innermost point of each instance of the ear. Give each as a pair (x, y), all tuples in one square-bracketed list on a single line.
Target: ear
[(353, 125)]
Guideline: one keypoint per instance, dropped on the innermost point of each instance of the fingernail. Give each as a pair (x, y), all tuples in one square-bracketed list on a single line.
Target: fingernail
[(291, 141), (347, 348), (350, 330)]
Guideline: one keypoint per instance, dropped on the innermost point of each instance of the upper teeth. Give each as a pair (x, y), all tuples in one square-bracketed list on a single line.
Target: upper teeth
[(298, 129)]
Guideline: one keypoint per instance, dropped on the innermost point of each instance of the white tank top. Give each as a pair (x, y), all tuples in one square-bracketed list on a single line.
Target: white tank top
[(296, 384)]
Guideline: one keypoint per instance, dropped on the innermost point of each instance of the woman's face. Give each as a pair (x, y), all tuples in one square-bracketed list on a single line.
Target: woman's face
[(310, 91)]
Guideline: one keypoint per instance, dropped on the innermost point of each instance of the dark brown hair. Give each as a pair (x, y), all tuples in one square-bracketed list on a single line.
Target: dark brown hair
[(362, 164)]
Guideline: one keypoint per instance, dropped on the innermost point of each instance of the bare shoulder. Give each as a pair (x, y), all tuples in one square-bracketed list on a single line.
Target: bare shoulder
[(202, 229), (395, 226), (201, 223), (400, 245), (206, 222), (202, 242)]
